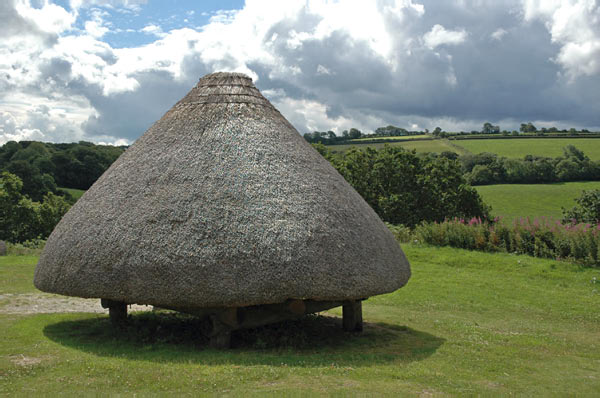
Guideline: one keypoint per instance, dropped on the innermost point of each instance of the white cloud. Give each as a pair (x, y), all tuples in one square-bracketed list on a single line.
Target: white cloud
[(438, 35), (153, 29), (132, 5), (321, 70), (498, 34), (49, 18), (575, 26), (95, 27), (312, 115)]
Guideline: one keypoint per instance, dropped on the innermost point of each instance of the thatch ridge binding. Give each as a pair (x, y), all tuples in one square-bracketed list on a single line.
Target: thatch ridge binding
[(221, 204)]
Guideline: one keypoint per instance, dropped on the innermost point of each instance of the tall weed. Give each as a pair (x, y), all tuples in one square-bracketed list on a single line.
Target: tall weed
[(540, 237)]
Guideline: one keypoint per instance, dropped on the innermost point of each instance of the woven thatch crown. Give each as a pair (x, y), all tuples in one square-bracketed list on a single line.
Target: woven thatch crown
[(221, 203)]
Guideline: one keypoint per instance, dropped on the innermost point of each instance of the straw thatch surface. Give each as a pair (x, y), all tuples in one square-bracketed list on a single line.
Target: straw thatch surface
[(221, 203)]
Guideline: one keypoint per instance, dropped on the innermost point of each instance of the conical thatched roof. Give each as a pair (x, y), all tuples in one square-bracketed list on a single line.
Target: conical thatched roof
[(221, 203)]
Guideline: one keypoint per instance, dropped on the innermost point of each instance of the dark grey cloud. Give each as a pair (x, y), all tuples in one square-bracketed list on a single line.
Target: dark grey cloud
[(11, 23), (507, 76), (128, 114)]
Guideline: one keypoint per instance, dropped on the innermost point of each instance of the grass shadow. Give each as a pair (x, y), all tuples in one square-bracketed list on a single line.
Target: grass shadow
[(314, 340)]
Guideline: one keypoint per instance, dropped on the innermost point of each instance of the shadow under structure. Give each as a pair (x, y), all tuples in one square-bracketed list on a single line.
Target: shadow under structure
[(222, 210)]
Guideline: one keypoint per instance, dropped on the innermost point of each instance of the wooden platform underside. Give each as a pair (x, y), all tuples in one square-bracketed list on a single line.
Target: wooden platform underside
[(226, 320)]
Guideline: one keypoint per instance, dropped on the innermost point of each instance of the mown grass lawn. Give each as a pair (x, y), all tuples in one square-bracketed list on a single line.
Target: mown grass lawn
[(518, 148), (467, 323), (512, 201), (438, 146)]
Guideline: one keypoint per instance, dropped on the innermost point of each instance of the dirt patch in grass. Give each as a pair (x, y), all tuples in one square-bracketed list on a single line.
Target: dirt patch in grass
[(22, 360), (39, 303)]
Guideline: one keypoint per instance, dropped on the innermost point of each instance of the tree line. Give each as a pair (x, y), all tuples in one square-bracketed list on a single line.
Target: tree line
[(489, 168), (403, 187), (330, 138)]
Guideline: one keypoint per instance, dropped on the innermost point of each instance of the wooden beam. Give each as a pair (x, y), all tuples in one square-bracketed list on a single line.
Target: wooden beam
[(117, 311), (220, 334), (352, 316)]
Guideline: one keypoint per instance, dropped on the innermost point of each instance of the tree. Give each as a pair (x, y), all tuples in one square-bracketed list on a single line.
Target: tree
[(354, 133), (481, 175), (404, 188), (51, 210), (488, 128), (528, 128), (21, 218), (17, 213), (567, 170), (587, 208), (437, 131), (390, 131), (35, 184), (571, 151)]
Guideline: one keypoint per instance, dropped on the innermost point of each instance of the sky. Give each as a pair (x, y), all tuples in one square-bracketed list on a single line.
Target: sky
[(105, 70)]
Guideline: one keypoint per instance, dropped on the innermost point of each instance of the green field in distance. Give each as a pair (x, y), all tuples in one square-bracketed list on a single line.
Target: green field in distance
[(437, 146), (398, 138), (512, 201), (511, 148), (518, 148)]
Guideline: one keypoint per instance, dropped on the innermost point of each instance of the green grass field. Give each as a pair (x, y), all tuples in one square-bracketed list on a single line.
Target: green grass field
[(512, 201), (420, 146), (398, 138), (467, 323), (512, 148), (76, 193), (518, 148)]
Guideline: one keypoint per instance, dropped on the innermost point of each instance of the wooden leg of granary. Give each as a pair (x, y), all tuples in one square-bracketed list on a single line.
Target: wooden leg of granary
[(117, 311), (352, 316), (223, 323)]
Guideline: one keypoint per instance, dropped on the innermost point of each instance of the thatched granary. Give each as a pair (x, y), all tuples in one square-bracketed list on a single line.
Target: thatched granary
[(221, 204)]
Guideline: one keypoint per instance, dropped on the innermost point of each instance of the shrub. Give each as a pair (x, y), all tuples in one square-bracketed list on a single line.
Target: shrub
[(587, 209), (405, 188), (540, 238), (401, 233), (32, 247), (22, 219)]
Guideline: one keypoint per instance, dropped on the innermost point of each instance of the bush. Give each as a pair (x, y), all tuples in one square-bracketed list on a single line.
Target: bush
[(32, 247), (539, 238), (401, 233), (22, 219), (587, 209), (404, 188)]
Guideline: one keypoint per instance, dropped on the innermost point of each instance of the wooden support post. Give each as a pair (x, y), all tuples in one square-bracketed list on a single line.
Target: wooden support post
[(352, 316), (220, 335), (117, 311), (221, 340)]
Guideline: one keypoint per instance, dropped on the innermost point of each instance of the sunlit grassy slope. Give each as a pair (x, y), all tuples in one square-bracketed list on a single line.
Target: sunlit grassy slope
[(518, 148), (438, 146), (536, 200)]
